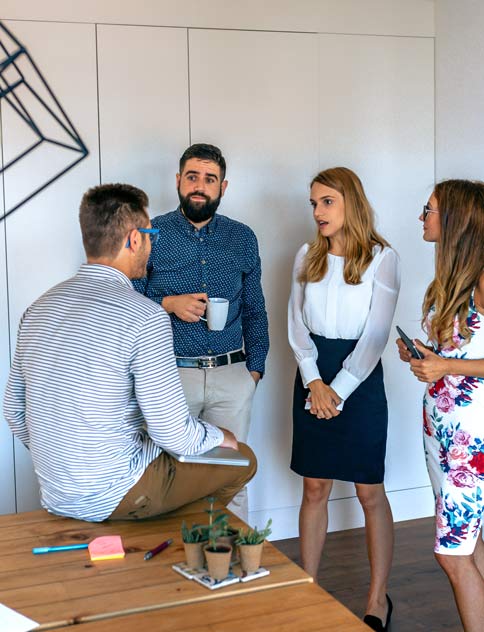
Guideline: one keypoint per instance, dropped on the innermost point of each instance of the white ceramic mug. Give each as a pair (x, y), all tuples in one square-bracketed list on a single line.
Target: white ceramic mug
[(217, 311)]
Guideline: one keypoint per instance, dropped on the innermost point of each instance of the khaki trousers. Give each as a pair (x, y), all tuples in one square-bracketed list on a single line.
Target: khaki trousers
[(223, 397), (168, 484)]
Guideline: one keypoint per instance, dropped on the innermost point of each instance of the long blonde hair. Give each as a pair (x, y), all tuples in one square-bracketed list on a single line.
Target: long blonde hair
[(459, 260), (359, 230)]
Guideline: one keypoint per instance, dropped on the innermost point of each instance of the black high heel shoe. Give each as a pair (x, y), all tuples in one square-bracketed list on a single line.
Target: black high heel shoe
[(376, 623)]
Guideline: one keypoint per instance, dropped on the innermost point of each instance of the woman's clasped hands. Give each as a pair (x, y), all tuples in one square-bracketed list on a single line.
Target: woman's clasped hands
[(324, 400)]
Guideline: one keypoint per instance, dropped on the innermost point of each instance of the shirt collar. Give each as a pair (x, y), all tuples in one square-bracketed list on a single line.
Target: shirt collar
[(189, 228), (99, 271)]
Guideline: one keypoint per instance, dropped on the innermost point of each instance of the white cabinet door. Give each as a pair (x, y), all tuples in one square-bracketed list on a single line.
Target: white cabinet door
[(282, 106), (143, 108), (256, 96), (7, 488), (376, 99), (43, 238)]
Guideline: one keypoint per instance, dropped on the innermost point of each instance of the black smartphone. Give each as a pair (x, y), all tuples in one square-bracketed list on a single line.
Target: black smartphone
[(409, 344)]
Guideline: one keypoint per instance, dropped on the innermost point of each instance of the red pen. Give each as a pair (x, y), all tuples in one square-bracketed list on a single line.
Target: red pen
[(158, 549)]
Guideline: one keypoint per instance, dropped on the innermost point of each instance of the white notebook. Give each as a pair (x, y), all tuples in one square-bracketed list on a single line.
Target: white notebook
[(215, 456)]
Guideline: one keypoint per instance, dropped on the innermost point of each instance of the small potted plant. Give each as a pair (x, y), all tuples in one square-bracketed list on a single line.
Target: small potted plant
[(215, 516), (217, 555), (228, 535), (194, 540), (251, 543)]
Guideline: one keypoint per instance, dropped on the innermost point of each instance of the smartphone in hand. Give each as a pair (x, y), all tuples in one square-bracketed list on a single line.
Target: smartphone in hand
[(408, 342)]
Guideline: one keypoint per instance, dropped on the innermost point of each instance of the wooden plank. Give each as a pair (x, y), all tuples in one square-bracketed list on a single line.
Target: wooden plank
[(305, 608)]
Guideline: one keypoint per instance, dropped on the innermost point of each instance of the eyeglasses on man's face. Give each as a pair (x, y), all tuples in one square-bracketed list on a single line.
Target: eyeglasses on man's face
[(154, 233), (426, 210)]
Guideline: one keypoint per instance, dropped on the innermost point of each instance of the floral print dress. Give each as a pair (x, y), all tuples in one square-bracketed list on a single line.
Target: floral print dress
[(454, 446)]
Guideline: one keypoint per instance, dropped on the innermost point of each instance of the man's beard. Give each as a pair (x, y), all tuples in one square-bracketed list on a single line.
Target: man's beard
[(198, 212)]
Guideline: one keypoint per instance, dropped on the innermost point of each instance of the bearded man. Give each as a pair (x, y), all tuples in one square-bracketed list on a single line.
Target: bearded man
[(202, 254)]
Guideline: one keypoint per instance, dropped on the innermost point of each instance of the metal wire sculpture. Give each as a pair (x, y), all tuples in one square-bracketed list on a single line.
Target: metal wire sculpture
[(18, 75)]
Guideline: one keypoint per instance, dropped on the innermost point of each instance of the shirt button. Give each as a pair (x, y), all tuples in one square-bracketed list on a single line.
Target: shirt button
[(210, 351), (203, 261), (204, 285), (201, 238)]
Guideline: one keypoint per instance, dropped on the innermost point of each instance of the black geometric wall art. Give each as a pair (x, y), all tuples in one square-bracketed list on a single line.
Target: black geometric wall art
[(43, 133)]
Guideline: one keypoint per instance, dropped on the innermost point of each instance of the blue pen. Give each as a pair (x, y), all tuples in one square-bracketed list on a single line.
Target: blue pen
[(54, 549)]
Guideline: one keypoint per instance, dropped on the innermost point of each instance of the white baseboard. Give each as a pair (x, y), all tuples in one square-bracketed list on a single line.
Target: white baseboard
[(346, 513)]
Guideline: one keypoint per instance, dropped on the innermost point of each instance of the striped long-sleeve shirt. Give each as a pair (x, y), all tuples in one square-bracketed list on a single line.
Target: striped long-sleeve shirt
[(94, 392)]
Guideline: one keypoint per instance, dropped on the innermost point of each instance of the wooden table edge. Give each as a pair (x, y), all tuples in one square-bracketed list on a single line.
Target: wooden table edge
[(243, 590)]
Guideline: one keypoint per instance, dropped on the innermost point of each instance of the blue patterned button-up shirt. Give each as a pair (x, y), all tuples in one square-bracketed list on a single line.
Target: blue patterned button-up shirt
[(221, 259)]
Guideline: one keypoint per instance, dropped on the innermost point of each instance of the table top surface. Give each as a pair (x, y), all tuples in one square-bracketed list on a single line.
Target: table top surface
[(63, 588), (297, 608)]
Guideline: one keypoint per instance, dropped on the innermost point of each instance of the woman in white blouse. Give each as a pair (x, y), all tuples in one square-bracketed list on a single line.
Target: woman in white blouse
[(344, 291)]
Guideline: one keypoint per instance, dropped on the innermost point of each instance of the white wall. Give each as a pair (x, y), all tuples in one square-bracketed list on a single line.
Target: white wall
[(459, 89), (7, 473), (42, 237), (352, 87), (372, 17)]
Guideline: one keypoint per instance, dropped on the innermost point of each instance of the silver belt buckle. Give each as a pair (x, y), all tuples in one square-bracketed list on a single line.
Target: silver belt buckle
[(209, 362)]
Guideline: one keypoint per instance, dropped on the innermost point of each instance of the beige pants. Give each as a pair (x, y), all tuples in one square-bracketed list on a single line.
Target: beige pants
[(168, 484), (223, 397)]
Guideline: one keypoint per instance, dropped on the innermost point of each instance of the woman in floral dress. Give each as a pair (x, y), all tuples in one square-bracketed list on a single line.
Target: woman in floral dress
[(454, 400)]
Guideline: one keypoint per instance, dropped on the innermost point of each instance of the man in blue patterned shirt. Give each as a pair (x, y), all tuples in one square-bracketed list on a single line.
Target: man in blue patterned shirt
[(201, 254)]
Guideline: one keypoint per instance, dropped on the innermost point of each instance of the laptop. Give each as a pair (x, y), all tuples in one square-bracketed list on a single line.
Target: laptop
[(215, 456)]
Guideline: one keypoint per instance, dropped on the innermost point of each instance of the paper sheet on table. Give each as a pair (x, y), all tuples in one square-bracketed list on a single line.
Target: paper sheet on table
[(12, 621)]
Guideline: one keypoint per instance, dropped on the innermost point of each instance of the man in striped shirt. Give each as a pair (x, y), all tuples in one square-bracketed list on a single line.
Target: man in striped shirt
[(94, 392)]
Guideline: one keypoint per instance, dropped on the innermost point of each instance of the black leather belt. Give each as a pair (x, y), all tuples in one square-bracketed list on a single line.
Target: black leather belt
[(211, 362)]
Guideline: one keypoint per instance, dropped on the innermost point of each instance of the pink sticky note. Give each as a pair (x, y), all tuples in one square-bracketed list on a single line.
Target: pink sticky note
[(106, 547)]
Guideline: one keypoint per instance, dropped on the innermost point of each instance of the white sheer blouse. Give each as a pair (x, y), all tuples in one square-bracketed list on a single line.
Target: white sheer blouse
[(334, 309)]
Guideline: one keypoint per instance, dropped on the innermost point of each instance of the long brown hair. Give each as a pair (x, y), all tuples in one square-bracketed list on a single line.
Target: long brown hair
[(459, 259), (359, 230)]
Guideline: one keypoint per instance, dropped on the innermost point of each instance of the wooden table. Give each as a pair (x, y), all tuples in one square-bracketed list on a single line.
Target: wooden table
[(59, 589), (298, 608)]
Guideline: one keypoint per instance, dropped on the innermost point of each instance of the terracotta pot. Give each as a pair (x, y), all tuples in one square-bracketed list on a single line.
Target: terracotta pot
[(229, 540), (218, 561), (194, 554), (250, 556)]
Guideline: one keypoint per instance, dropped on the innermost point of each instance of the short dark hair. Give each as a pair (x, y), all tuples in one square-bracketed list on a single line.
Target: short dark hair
[(202, 151), (107, 213)]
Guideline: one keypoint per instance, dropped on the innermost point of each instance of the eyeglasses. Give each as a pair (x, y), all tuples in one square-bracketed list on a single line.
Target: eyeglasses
[(426, 210), (154, 233)]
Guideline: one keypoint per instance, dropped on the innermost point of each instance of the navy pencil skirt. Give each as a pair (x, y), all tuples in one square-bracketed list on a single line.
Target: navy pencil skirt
[(351, 446)]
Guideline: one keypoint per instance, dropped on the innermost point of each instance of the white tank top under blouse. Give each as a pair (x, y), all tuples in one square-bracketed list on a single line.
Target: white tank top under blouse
[(335, 309)]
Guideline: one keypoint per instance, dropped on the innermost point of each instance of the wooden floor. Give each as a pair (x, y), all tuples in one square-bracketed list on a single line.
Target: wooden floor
[(421, 595)]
